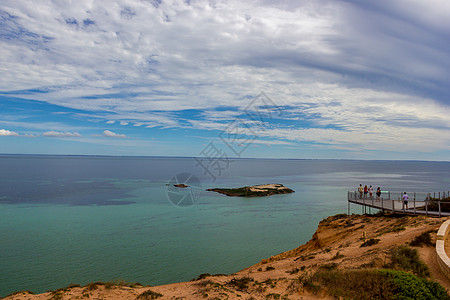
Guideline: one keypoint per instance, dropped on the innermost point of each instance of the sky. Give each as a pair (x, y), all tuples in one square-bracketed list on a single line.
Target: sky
[(271, 79)]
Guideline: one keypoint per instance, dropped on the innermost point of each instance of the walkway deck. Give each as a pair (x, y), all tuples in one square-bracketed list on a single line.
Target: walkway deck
[(417, 204)]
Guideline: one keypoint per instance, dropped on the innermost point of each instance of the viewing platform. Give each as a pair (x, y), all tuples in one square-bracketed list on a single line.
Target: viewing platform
[(418, 203)]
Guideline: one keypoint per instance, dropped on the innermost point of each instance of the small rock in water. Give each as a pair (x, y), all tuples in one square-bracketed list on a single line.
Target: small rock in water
[(181, 185)]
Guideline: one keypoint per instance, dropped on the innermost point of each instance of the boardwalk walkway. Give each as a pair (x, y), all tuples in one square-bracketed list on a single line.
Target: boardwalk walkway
[(391, 201)]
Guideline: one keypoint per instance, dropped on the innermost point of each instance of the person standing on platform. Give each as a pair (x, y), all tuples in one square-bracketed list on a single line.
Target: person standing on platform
[(405, 200), (365, 191), (371, 192), (378, 193), (360, 190)]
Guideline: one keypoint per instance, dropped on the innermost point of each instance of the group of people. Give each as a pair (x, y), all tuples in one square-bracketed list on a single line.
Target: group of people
[(363, 191)]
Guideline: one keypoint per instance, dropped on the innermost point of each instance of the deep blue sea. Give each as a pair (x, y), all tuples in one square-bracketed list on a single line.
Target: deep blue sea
[(77, 219)]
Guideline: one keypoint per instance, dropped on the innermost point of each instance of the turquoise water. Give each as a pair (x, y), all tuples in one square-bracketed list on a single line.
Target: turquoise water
[(81, 219)]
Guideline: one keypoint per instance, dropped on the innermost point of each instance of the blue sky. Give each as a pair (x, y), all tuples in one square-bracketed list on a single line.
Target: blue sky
[(289, 79)]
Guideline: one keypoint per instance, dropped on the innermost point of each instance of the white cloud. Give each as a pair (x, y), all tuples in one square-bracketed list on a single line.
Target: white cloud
[(108, 133), (61, 134), (110, 122), (123, 123), (4, 132)]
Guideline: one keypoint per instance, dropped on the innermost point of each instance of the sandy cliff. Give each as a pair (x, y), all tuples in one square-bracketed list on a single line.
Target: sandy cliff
[(336, 245)]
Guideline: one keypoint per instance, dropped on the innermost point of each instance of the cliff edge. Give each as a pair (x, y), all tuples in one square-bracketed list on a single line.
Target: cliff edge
[(364, 252)]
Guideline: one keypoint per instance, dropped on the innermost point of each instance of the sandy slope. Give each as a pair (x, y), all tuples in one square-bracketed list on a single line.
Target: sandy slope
[(337, 239)]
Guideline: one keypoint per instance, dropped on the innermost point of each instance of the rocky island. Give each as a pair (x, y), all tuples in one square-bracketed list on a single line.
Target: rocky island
[(254, 191), (181, 185)]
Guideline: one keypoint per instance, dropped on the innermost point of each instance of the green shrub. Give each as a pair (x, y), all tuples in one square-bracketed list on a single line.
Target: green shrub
[(373, 284), (240, 284), (149, 294), (370, 242), (434, 206), (408, 286), (329, 267), (205, 275), (19, 293), (93, 285), (407, 259), (422, 239), (272, 283)]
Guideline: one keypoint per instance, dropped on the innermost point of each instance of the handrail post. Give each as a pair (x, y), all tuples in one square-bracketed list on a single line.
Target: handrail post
[(393, 207), (439, 203), (414, 202), (364, 205), (426, 204)]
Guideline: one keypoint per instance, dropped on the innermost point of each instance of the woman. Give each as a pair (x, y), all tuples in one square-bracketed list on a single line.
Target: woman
[(365, 191), (378, 193)]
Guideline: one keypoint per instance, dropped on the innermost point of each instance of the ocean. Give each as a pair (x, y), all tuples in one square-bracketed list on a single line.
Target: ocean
[(78, 219)]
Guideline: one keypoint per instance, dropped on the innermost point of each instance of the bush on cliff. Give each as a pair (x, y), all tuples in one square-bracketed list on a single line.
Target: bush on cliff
[(373, 284)]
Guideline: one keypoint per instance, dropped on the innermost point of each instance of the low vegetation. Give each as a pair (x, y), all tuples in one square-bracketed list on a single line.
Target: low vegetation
[(206, 275), (373, 284), (241, 284), (434, 206), (149, 294), (423, 239), (20, 293), (407, 259), (370, 242), (110, 284)]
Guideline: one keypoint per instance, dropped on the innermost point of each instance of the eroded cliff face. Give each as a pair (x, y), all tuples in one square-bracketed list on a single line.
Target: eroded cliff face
[(340, 242)]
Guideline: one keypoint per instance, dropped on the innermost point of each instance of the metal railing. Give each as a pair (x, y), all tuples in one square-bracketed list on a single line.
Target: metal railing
[(388, 200)]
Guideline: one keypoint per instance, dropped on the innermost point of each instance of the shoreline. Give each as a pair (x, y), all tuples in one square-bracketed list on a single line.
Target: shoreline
[(337, 243)]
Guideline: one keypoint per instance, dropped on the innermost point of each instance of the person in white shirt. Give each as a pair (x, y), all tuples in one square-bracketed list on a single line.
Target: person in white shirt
[(405, 199)]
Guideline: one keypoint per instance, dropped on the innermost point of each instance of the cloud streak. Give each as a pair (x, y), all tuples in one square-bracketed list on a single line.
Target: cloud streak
[(60, 134), (110, 134)]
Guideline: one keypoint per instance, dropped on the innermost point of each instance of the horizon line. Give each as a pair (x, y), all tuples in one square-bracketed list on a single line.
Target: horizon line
[(202, 157)]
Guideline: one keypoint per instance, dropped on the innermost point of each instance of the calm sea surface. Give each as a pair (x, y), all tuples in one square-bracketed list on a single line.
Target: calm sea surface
[(69, 219)]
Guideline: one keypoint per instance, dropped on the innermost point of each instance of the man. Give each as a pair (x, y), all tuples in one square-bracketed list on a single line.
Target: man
[(360, 190), (405, 200)]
